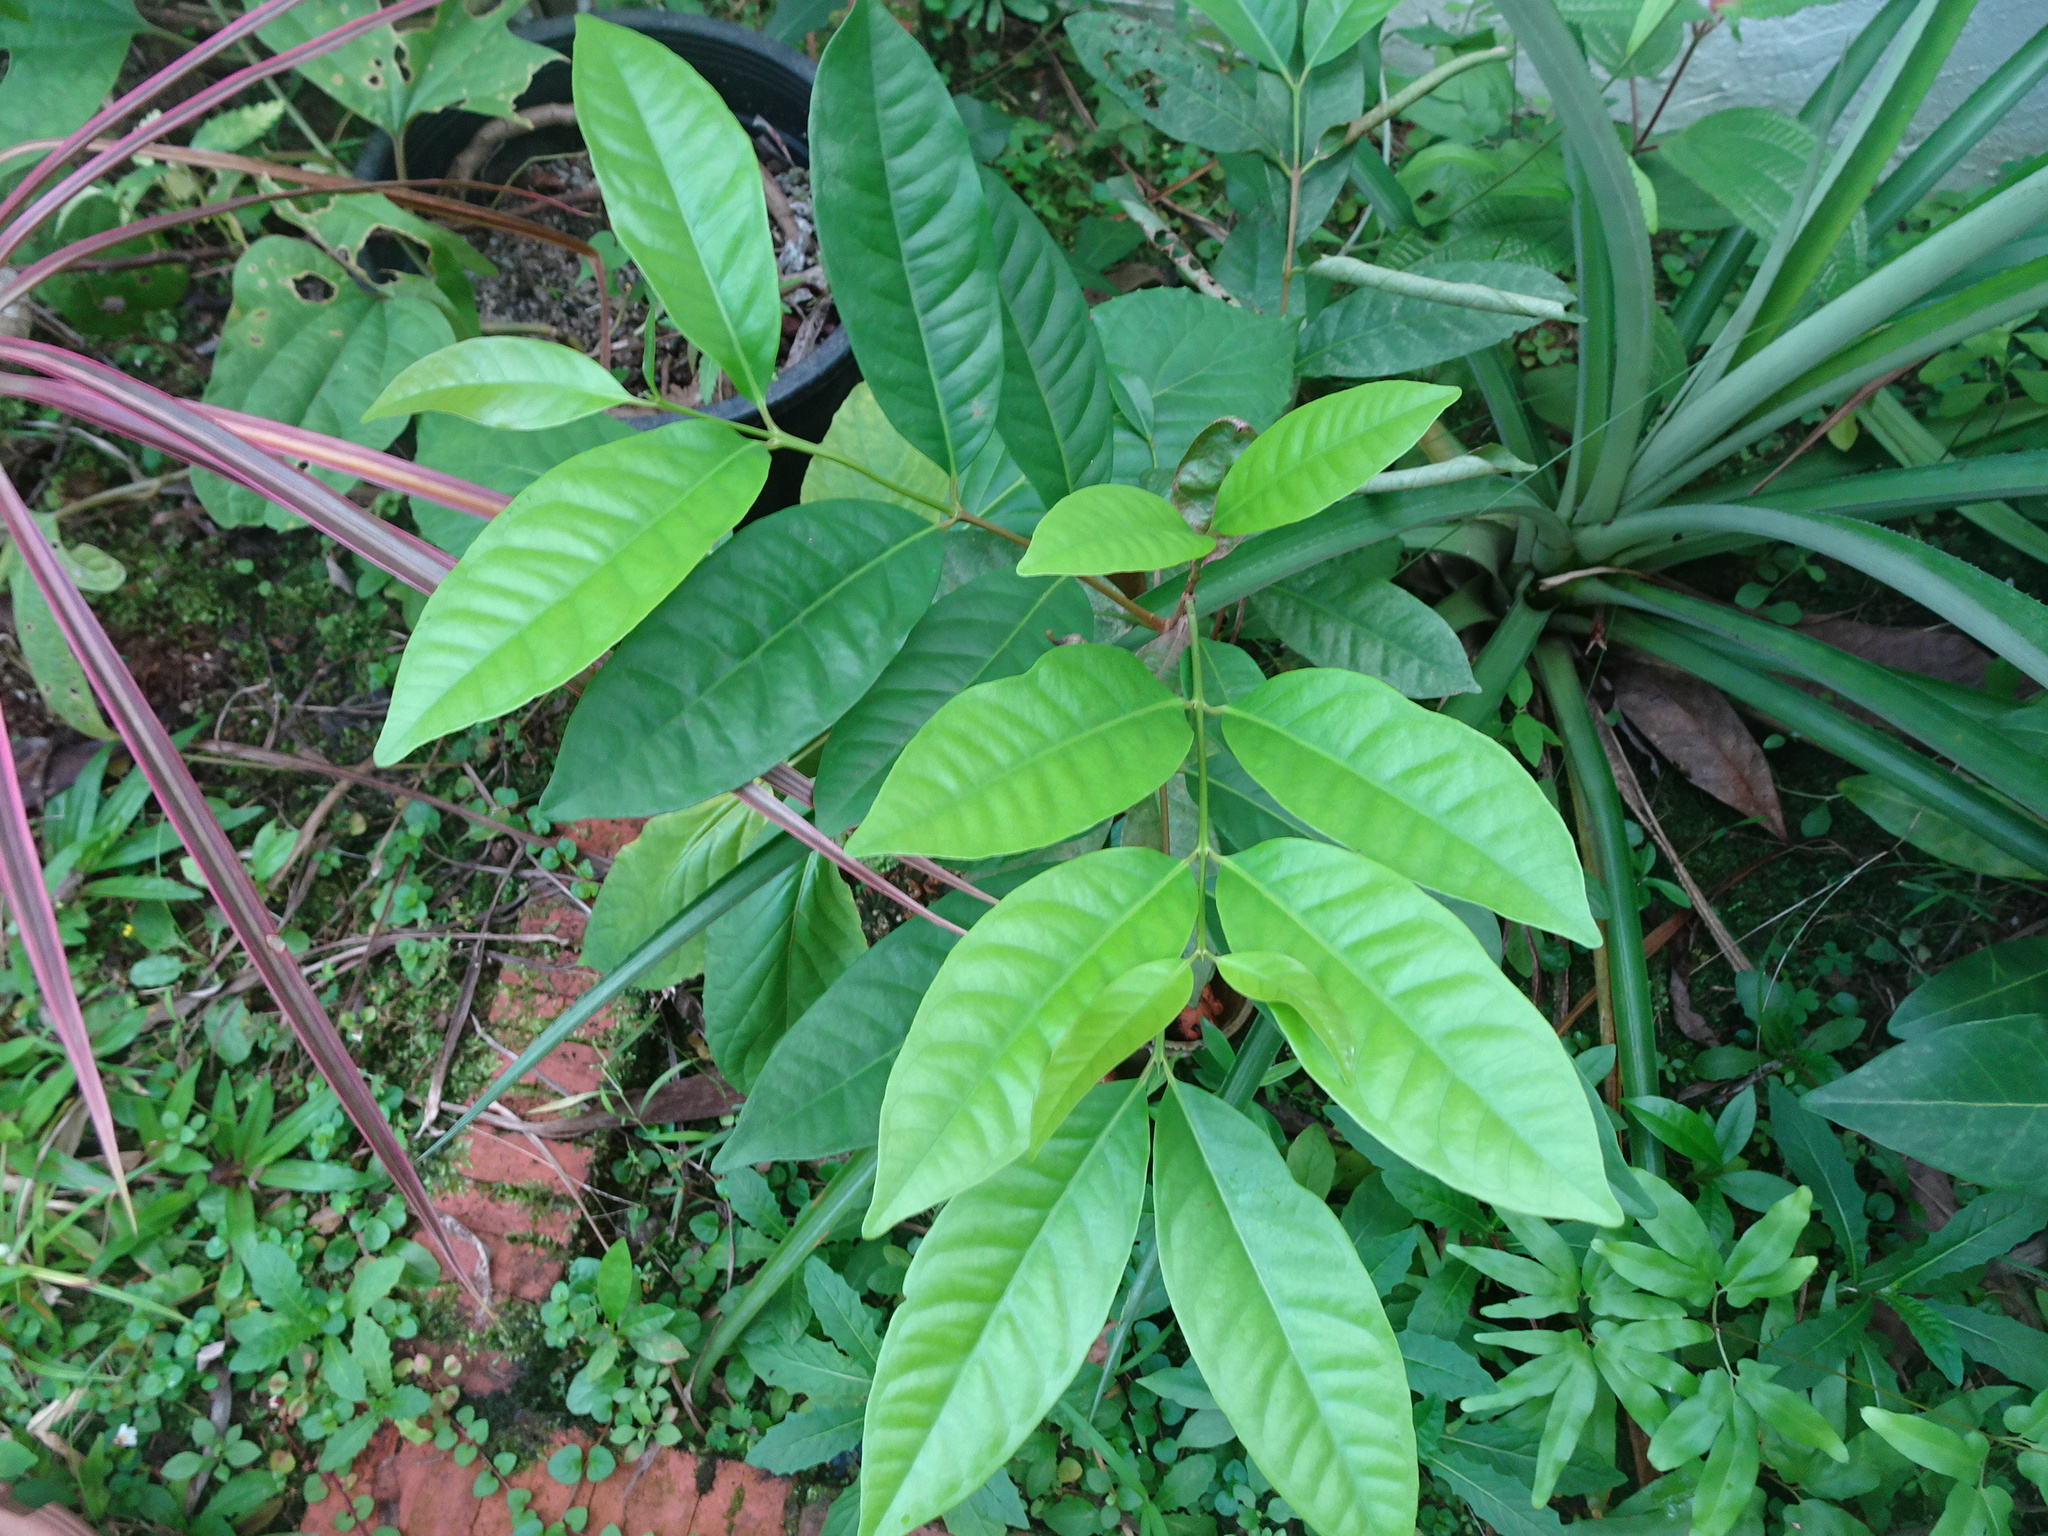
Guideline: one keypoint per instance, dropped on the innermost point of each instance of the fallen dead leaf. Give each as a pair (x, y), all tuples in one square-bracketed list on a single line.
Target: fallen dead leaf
[(1696, 728)]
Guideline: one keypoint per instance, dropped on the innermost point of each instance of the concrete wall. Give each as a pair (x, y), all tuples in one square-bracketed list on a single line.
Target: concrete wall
[(1778, 63)]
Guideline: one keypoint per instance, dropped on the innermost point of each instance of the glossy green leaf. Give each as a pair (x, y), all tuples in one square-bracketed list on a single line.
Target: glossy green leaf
[(1283, 1321), (506, 461), (1107, 528), (1931, 831), (1346, 614), (764, 646), (1459, 1074), (872, 460), (1761, 1263), (904, 233), (1004, 1297), (1996, 982), (1124, 1015), (992, 627), (557, 578), (1055, 414), (819, 1092), (770, 958), (307, 346), (1971, 1100), (1264, 29), (1197, 359), (675, 859), (1373, 334), (1022, 763), (1288, 987), (682, 189), (960, 1100), (1329, 27), (1417, 791), (502, 381), (1325, 451)]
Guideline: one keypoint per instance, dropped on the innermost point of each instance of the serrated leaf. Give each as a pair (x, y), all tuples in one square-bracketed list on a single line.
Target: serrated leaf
[(1931, 1331), (1055, 413), (1006, 1293), (1426, 796), (770, 958), (840, 1312), (1971, 1100), (764, 645), (1467, 1080), (905, 237), (1282, 1319), (513, 382), (307, 346), (1344, 614), (809, 1368), (805, 1439), (960, 1100), (682, 189), (1751, 160), (992, 627), (1323, 452), (675, 859), (1101, 529), (1021, 763), (576, 561)]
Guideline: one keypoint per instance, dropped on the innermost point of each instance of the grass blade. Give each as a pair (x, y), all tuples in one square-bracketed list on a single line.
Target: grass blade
[(184, 806), (35, 919)]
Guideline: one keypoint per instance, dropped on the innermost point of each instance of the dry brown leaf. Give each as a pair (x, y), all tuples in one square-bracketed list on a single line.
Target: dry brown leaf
[(1936, 653), (1691, 1023), (1693, 724)]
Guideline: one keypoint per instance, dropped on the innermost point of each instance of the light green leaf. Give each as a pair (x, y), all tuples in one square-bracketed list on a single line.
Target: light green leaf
[(1106, 528), (1345, 614), (1423, 794), (1283, 1321), (1971, 1100), (463, 57), (861, 435), (1325, 451), (1467, 1080), (1197, 359), (1761, 1262), (1055, 412), (1006, 1293), (557, 578), (675, 859), (507, 462), (682, 188), (502, 381), (992, 627), (904, 233), (307, 346), (1124, 1015), (1022, 763), (1264, 29), (764, 646), (1284, 983), (1934, 1446), (961, 1097), (59, 679), (1329, 27), (846, 1319), (770, 958), (1930, 831)]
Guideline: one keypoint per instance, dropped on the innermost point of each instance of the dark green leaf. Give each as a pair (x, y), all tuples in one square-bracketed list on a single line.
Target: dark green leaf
[(1346, 614), (1813, 1152), (1996, 982), (766, 643), (1373, 334)]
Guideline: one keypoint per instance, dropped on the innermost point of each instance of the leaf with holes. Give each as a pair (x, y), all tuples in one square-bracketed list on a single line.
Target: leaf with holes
[(307, 346), (993, 627), (764, 645), (1413, 789), (682, 189), (557, 578), (1022, 763), (1004, 1297), (1467, 1081), (1282, 1319), (1324, 451), (961, 1098), (503, 381)]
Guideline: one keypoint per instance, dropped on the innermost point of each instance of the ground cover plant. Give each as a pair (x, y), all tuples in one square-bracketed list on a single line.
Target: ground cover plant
[(1093, 656)]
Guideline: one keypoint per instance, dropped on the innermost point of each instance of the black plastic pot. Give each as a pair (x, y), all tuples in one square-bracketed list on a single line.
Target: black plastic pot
[(759, 78)]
